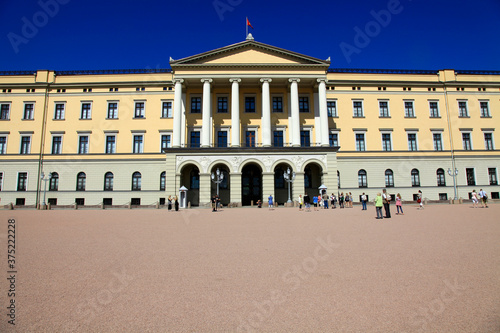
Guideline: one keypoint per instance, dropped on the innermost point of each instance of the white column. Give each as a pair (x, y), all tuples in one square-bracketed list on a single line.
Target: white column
[(323, 113), (176, 139), (207, 112), (294, 92), (266, 113), (235, 112)]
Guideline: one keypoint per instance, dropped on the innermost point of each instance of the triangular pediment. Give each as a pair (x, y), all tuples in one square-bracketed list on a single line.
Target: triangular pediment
[(249, 53)]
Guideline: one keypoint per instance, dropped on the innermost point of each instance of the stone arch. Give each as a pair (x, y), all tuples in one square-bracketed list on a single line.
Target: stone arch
[(190, 178), (280, 184), (252, 160), (224, 186), (313, 176)]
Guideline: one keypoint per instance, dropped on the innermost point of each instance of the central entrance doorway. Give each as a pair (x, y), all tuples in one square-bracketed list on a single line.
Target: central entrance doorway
[(251, 184)]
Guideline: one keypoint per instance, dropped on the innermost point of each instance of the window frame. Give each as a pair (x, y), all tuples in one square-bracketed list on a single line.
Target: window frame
[(247, 99), (280, 103), (59, 113), (24, 182), (142, 111), (81, 182), (108, 181), (86, 145), (304, 104), (389, 178), (3, 145), (415, 177), (195, 100), (384, 112), (362, 178), (470, 176), (410, 147), (358, 147), (440, 177), (437, 113), (492, 176), (30, 112), (463, 108), (357, 111), (467, 143), (109, 110), (409, 112), (225, 104), (333, 108), (481, 109), (56, 147), (21, 145), (113, 150), (88, 112), (437, 144), (384, 142), (136, 181), (137, 143), (489, 144), (191, 132), (5, 116), (167, 109)]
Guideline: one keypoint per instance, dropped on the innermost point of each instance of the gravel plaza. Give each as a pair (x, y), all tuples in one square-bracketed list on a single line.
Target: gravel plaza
[(254, 270)]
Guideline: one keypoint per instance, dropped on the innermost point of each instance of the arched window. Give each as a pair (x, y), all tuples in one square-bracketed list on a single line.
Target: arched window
[(136, 181), (441, 181), (389, 178), (163, 179), (108, 181), (362, 179), (54, 182), (80, 181), (415, 177)]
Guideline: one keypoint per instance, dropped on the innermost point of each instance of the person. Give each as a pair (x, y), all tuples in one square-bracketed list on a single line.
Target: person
[(399, 205), (169, 204), (387, 202), (332, 201), (475, 201), (363, 201), (176, 204), (346, 199), (217, 202), (484, 198), (341, 200), (301, 202), (270, 201), (307, 202), (378, 205), (350, 199), (259, 203), (420, 200), (214, 204), (315, 202), (325, 201)]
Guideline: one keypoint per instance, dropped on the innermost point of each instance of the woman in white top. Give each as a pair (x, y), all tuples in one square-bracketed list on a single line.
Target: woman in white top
[(475, 201)]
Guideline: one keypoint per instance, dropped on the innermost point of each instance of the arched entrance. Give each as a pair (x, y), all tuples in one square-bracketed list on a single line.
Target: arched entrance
[(280, 184), (224, 191), (251, 184), (190, 178), (312, 178)]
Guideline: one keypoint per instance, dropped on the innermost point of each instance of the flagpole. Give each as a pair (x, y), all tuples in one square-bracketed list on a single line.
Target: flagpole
[(246, 25)]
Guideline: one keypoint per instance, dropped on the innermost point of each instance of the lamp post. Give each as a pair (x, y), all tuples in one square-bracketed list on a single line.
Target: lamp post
[(289, 177), (45, 179), (217, 178), (454, 175)]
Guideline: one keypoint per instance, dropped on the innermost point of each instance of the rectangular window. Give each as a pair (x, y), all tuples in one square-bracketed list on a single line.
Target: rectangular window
[(409, 110), (278, 104), (166, 141), (59, 112), (86, 111), (3, 145), (433, 109), (112, 110), (360, 142), (222, 104), (334, 139), (357, 109), (138, 144), (195, 104), (22, 181), (25, 145), (462, 109), (412, 142), (384, 109), (56, 145), (250, 104), (303, 104), (4, 111), (466, 141), (222, 139), (139, 110), (471, 179), (438, 142), (488, 141), (305, 140), (250, 138), (110, 144), (166, 109), (485, 109), (492, 175), (83, 144), (386, 142), (195, 139), (29, 110), (278, 139), (331, 107)]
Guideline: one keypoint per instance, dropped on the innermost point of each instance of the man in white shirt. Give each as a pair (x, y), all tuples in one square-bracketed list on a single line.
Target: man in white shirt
[(484, 198)]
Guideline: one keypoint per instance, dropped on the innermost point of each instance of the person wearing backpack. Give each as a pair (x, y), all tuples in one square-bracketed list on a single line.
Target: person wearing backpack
[(387, 201), (484, 198)]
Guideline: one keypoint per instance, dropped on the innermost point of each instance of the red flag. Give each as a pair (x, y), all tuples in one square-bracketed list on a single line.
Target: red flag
[(248, 23)]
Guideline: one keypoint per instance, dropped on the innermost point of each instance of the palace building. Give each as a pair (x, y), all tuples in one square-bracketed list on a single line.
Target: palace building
[(251, 111)]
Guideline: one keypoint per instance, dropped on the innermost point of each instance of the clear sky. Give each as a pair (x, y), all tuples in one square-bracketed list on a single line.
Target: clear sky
[(139, 34)]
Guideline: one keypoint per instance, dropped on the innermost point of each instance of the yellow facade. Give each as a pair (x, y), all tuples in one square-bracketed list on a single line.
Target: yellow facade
[(387, 109)]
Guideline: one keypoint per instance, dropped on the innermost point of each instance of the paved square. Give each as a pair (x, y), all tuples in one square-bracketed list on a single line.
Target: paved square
[(249, 269)]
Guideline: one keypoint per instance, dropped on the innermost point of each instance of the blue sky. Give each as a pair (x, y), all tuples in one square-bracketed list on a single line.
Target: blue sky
[(388, 34)]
